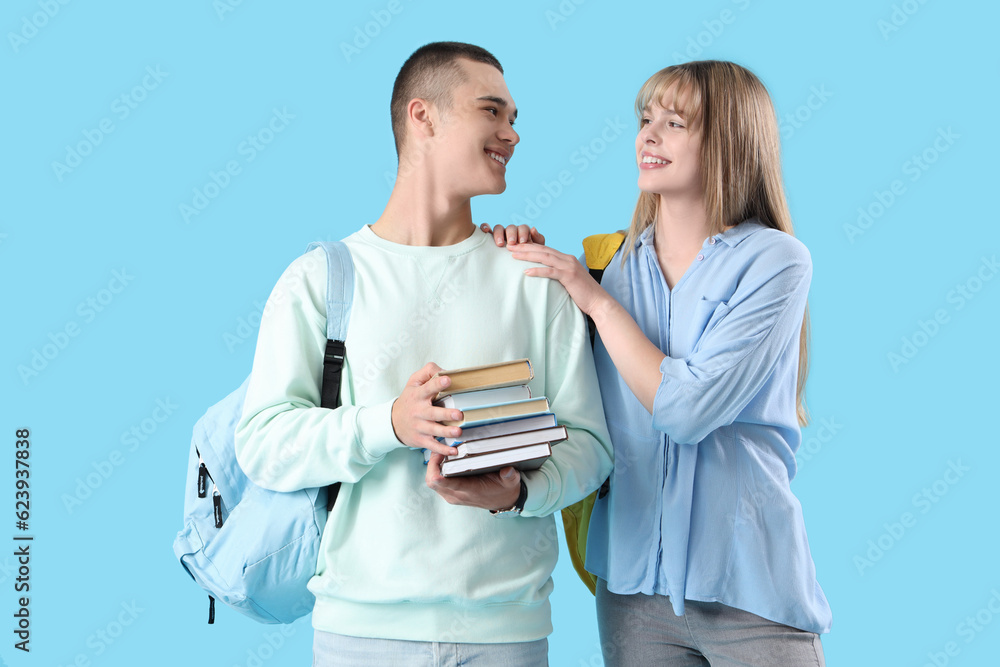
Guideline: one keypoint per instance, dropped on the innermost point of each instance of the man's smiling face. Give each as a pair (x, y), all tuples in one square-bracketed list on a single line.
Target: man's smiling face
[(476, 138)]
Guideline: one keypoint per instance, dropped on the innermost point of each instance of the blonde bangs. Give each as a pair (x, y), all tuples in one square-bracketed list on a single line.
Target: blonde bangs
[(671, 87)]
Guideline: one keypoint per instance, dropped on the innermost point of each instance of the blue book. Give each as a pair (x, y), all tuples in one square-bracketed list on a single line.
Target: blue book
[(502, 428), (489, 414), (485, 397)]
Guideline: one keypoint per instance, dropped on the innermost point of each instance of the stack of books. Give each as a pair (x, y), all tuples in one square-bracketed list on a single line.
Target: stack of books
[(503, 424)]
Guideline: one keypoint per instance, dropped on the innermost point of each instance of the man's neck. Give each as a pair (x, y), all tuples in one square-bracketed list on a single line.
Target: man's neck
[(418, 214)]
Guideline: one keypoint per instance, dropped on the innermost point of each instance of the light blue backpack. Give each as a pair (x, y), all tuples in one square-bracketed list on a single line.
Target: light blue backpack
[(252, 548)]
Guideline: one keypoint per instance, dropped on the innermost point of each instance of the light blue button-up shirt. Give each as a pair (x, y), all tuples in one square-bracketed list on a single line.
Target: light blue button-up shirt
[(700, 506)]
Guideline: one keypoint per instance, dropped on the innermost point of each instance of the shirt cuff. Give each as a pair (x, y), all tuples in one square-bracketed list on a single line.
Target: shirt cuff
[(375, 431)]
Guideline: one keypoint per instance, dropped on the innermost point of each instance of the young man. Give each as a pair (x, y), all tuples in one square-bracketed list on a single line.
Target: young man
[(412, 563)]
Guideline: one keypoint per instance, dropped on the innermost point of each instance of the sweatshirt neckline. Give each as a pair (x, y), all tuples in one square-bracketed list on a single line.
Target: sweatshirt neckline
[(475, 240)]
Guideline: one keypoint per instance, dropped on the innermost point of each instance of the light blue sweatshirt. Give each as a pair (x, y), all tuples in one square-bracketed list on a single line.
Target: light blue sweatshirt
[(397, 561)]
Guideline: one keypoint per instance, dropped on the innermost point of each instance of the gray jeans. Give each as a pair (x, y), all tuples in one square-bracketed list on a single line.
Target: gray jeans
[(642, 631)]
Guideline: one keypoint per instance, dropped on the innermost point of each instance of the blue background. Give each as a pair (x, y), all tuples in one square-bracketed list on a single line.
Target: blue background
[(863, 89)]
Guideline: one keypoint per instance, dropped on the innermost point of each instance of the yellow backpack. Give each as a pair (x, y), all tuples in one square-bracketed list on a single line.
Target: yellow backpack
[(598, 251)]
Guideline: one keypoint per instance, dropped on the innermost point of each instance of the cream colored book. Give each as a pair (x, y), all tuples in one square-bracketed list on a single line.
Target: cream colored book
[(488, 376)]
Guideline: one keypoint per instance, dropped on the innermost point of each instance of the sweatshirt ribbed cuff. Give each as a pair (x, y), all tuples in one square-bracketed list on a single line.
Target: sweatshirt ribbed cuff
[(375, 430), (538, 492)]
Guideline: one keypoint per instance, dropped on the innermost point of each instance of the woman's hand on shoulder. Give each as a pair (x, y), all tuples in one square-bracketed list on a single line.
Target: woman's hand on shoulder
[(514, 234), (588, 295), (527, 243)]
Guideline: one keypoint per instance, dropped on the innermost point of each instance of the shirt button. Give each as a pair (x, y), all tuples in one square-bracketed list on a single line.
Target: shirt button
[(711, 241), (701, 257)]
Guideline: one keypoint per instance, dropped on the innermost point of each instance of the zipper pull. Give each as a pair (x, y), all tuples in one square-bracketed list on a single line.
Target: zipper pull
[(202, 480), (217, 506)]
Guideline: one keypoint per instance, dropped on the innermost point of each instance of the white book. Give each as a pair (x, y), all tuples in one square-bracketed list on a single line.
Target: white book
[(502, 428), (522, 458), (510, 441), (484, 397)]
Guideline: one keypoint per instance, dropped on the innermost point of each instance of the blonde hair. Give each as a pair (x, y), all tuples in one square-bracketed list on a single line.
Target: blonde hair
[(740, 158)]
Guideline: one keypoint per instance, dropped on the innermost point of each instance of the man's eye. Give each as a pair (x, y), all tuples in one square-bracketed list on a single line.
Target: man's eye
[(492, 110)]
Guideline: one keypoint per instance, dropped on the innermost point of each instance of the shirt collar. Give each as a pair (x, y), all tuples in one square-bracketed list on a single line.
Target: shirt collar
[(732, 236), (735, 235), (646, 238)]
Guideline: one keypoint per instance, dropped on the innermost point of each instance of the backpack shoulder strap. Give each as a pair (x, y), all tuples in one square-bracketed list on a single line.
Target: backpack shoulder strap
[(599, 249), (339, 289), (339, 296)]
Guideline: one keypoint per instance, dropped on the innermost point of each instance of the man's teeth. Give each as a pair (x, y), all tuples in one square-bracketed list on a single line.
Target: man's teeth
[(497, 157), (646, 159)]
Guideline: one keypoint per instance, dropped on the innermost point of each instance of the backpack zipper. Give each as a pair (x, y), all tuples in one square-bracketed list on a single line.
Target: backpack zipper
[(203, 478)]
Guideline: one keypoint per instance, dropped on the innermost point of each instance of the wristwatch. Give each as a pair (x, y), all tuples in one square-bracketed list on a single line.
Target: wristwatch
[(518, 504)]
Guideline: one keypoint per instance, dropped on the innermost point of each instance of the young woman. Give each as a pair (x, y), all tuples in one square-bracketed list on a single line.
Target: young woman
[(700, 546)]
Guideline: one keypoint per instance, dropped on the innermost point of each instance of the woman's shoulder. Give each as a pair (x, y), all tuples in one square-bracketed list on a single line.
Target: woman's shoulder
[(773, 245)]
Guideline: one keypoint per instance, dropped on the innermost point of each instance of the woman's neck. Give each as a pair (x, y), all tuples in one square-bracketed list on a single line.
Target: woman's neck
[(681, 229)]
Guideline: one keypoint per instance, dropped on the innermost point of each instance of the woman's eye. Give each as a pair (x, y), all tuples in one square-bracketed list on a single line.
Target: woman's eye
[(645, 121), (674, 123)]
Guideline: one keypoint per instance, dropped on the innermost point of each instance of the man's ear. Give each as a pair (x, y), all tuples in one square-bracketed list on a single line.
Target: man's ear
[(420, 117)]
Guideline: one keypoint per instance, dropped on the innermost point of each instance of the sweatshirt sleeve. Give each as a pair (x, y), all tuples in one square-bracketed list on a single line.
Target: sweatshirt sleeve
[(581, 463), (744, 340), (284, 440)]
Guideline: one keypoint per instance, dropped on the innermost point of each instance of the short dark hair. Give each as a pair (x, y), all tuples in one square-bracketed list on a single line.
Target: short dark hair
[(431, 73)]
